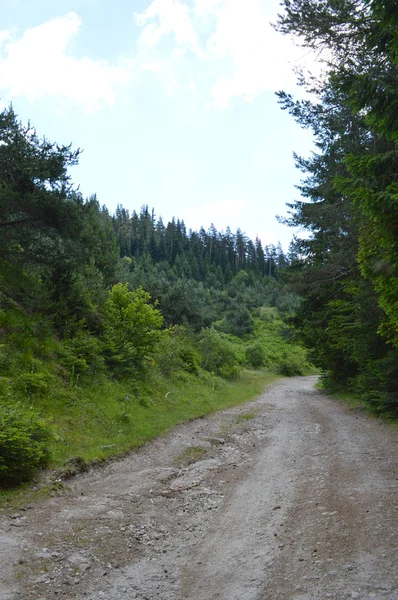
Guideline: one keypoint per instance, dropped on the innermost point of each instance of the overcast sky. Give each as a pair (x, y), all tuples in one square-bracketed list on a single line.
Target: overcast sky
[(172, 101)]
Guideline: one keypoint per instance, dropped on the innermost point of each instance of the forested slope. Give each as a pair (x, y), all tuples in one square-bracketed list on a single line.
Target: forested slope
[(347, 267), (114, 327)]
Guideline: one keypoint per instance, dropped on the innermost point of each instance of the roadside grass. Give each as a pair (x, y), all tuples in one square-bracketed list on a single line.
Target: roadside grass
[(107, 419), (112, 418), (350, 400), (356, 402)]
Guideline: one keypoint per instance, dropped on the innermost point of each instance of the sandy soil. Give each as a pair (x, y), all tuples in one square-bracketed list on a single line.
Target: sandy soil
[(292, 497)]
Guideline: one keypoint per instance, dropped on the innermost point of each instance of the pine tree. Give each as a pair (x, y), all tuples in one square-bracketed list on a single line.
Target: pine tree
[(351, 256)]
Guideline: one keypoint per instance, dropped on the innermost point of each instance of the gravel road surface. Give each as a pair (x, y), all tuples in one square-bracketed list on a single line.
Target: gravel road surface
[(290, 497)]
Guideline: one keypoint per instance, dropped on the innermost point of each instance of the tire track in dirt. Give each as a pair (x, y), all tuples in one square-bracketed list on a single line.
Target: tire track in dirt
[(294, 498)]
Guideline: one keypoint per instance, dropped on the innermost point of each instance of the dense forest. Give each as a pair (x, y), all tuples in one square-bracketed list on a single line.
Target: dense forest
[(109, 322), (347, 267)]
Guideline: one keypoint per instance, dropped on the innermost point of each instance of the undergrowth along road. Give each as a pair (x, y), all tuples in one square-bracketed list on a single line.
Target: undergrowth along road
[(292, 496)]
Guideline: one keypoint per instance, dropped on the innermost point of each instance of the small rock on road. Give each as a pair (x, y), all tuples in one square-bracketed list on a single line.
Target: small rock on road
[(294, 497)]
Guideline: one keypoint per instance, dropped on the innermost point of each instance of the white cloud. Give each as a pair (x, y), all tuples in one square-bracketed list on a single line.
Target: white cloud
[(236, 45), (225, 50), (259, 55), (5, 36), (205, 7), (37, 65), (171, 18), (168, 35)]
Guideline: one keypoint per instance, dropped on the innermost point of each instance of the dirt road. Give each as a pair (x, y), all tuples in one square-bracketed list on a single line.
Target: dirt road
[(291, 497)]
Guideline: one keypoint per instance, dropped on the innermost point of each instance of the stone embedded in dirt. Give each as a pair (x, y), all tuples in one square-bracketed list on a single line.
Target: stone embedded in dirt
[(42, 554), (80, 562), (215, 441), (84, 567), (199, 543), (114, 514)]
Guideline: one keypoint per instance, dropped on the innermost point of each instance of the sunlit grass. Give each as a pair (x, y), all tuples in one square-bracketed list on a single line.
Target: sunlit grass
[(108, 418)]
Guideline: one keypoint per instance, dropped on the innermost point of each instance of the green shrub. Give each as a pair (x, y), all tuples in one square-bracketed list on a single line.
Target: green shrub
[(168, 357), (82, 354), (238, 321), (255, 355), (131, 328), (5, 387), (4, 357), (190, 358), (24, 438), (377, 384), (218, 354), (176, 352), (32, 384), (293, 362)]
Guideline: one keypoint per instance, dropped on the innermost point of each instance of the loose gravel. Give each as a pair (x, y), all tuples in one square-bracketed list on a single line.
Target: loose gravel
[(292, 497)]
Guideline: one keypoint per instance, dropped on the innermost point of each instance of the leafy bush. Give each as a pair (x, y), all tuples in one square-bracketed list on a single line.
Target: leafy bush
[(282, 351), (176, 352), (255, 355), (377, 385), (82, 354), (168, 357), (218, 354), (293, 362), (132, 327), (32, 384), (287, 302), (24, 438), (5, 387), (238, 321), (190, 358)]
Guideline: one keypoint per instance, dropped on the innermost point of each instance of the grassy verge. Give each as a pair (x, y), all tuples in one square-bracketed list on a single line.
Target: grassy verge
[(356, 402), (109, 419), (112, 419)]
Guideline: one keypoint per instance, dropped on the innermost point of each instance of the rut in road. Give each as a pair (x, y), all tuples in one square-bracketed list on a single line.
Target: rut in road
[(294, 498)]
